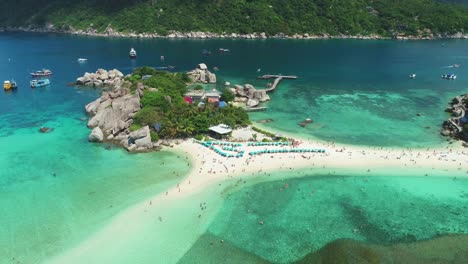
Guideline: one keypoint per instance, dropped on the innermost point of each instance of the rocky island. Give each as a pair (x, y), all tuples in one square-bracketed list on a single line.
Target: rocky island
[(149, 109), (457, 125)]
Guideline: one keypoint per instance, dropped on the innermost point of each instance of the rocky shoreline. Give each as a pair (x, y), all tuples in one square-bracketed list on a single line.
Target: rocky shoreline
[(110, 32), (111, 115), (455, 126), (248, 95)]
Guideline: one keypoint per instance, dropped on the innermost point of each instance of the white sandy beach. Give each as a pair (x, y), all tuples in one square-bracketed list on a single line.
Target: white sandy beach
[(174, 214)]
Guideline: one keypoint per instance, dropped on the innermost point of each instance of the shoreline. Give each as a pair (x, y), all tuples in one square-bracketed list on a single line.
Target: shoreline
[(212, 175), (110, 33)]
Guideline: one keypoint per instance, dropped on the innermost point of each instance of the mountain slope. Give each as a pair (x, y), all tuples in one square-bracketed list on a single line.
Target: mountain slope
[(334, 17)]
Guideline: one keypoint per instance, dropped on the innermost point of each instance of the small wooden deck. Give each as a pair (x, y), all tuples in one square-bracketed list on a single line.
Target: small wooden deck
[(278, 79)]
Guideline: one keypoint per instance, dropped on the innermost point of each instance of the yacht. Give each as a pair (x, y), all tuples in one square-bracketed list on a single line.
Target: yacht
[(42, 73), (132, 53), (39, 83), (82, 60), (412, 76)]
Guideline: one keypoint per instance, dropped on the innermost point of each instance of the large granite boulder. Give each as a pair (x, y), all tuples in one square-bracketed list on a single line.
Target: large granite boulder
[(83, 80), (116, 114), (92, 107), (201, 75), (252, 103), (103, 76), (261, 96), (96, 135), (211, 77), (112, 78), (141, 138), (249, 91)]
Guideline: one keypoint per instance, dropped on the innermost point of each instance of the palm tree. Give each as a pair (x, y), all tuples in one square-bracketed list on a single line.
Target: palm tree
[(185, 128)]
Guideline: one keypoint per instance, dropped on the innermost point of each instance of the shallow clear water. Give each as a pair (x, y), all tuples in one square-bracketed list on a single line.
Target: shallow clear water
[(56, 189), (302, 215)]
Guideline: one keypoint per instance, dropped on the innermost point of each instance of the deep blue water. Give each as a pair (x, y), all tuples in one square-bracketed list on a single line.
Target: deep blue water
[(356, 91)]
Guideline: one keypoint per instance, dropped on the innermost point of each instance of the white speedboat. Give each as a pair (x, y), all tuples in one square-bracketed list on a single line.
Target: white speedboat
[(132, 53), (449, 76), (412, 76), (82, 60)]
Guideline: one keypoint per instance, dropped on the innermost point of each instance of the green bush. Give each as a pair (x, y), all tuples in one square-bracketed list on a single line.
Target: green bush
[(207, 139), (154, 136), (266, 140), (142, 71), (266, 133), (198, 87), (227, 95), (134, 127), (147, 116), (199, 137)]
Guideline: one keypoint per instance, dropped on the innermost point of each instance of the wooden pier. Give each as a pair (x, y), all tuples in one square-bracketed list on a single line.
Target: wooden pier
[(278, 79)]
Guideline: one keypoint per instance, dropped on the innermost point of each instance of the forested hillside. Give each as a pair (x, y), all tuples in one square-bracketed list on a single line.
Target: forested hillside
[(334, 17)]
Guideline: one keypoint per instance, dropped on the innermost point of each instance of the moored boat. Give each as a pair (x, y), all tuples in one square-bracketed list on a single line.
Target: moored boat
[(132, 53), (39, 83), (42, 73), (14, 85), (6, 85), (206, 52), (82, 60), (449, 76), (412, 76)]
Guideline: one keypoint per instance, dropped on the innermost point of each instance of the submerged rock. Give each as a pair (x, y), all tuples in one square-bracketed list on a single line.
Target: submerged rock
[(264, 121), (305, 122), (45, 129)]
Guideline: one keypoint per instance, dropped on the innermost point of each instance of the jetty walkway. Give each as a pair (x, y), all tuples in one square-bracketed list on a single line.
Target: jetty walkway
[(278, 79)]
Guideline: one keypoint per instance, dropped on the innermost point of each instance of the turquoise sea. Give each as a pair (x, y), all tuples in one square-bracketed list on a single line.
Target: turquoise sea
[(57, 189)]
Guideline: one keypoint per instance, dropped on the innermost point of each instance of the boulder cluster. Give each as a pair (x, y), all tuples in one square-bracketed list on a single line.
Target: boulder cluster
[(249, 95), (454, 126), (101, 78), (112, 115), (202, 75)]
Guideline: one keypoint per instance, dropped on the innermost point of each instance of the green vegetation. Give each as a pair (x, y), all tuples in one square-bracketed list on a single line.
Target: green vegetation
[(266, 133), (227, 96), (154, 136), (134, 127), (383, 17), (177, 119)]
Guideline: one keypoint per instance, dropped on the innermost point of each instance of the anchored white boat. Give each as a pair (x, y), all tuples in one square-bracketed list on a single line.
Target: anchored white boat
[(449, 76), (412, 76), (132, 53), (82, 60)]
